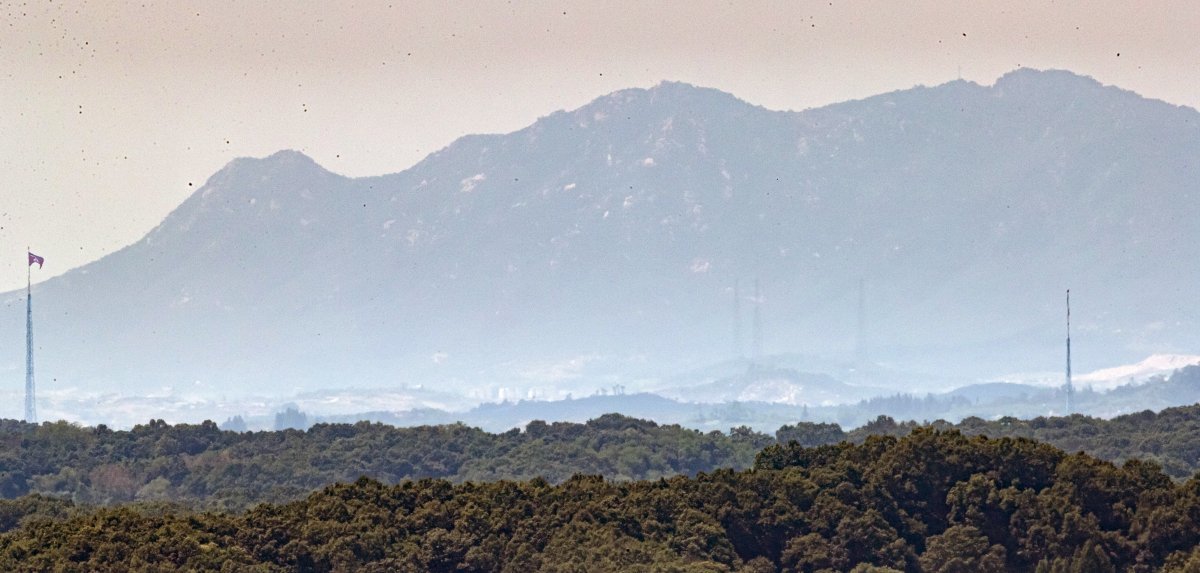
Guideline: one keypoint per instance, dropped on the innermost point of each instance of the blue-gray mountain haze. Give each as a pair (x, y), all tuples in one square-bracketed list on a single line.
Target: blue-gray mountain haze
[(600, 247)]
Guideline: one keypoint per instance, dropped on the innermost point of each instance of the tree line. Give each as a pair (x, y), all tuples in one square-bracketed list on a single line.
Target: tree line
[(205, 467), (1170, 438)]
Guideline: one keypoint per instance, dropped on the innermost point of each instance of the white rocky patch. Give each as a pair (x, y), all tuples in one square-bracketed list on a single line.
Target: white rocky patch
[(1138, 373), (467, 185)]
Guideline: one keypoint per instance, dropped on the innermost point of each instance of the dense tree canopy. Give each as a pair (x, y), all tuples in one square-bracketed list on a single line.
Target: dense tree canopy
[(931, 501), (1170, 438), (206, 467)]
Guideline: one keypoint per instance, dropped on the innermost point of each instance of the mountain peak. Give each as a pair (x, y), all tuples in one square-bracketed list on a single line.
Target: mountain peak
[(286, 161), (289, 155), (282, 159), (249, 187), (671, 94), (1035, 81), (666, 87)]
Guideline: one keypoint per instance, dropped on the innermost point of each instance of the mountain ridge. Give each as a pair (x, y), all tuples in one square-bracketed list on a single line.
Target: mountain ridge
[(592, 233)]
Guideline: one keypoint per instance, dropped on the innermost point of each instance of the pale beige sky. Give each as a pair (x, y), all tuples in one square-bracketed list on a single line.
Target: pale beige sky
[(112, 112)]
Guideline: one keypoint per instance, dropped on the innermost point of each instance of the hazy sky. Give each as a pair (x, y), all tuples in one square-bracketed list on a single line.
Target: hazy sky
[(112, 113)]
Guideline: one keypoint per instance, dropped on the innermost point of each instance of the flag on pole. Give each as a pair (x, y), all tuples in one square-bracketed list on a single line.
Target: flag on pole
[(36, 259)]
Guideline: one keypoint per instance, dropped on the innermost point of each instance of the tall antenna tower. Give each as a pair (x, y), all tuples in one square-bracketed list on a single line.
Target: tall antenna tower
[(1070, 389), (30, 400), (737, 321), (860, 350), (757, 342)]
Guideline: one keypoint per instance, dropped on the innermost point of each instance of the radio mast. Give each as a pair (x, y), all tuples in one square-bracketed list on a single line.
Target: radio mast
[(860, 350), (30, 395), (1070, 389), (757, 342), (737, 321)]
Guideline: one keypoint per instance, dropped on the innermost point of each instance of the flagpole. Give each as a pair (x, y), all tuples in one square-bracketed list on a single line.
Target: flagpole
[(30, 403)]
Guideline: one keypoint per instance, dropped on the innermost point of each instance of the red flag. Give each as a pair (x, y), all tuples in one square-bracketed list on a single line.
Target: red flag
[(36, 259)]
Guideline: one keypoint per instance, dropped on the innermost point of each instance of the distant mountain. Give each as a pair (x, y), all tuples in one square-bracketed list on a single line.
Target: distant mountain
[(1156, 365), (776, 386), (991, 392), (706, 410), (504, 416), (600, 246)]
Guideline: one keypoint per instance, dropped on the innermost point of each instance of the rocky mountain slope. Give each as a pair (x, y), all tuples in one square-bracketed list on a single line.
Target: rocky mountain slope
[(601, 246)]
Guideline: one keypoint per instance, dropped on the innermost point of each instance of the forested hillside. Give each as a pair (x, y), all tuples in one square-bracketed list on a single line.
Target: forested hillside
[(1170, 438), (931, 501), (203, 466)]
